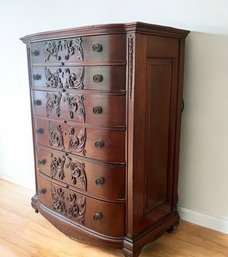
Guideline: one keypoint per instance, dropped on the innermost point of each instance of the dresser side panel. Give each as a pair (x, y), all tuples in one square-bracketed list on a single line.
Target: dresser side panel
[(153, 133)]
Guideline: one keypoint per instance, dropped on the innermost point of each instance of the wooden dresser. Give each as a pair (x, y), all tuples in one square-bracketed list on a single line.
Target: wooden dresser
[(106, 105)]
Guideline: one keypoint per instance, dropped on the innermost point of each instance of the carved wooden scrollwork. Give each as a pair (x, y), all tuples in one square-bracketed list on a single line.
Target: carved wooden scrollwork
[(75, 106), (59, 49), (74, 79), (70, 204), (57, 167), (73, 47), (130, 64), (52, 48), (77, 171), (53, 103), (77, 141), (55, 135), (76, 206), (53, 79), (62, 165), (58, 199)]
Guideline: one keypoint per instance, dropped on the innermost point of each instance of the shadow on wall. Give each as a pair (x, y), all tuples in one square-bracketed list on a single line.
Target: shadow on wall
[(204, 141)]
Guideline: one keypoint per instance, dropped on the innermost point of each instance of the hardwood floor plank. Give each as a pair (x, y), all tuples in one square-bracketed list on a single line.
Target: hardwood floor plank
[(23, 233)]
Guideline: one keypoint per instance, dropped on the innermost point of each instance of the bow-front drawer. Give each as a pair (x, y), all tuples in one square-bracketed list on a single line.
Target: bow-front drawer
[(97, 215), (96, 178), (103, 110), (102, 78), (79, 49), (102, 144)]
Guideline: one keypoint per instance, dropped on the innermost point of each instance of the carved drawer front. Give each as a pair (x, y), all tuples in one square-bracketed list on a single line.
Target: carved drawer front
[(94, 177), (101, 144), (94, 48), (94, 214), (84, 108), (104, 78)]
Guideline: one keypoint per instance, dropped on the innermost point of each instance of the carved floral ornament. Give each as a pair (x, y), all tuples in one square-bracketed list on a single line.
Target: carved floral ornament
[(61, 166), (68, 203), (65, 77), (53, 103), (61, 50), (75, 105), (58, 199), (77, 140), (55, 134)]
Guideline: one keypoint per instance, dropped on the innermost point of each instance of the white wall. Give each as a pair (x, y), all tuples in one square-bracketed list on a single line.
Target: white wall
[(204, 141), (204, 146)]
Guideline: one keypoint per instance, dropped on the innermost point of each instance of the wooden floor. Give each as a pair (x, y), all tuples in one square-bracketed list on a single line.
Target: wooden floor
[(23, 233)]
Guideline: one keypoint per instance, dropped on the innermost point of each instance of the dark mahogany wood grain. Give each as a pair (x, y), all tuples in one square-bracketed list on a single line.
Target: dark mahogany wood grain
[(113, 78), (109, 212), (87, 51), (111, 149), (156, 93), (103, 180), (154, 120), (107, 29), (107, 176), (94, 109)]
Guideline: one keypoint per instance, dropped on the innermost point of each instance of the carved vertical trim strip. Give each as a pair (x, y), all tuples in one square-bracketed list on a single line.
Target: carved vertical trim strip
[(130, 63)]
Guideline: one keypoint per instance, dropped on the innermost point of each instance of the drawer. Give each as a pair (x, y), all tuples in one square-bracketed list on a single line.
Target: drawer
[(94, 109), (96, 178), (102, 144), (102, 78), (78, 49), (103, 217)]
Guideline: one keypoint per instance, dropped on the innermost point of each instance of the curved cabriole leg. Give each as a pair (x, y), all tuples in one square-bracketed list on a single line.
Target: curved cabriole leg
[(173, 227), (34, 203)]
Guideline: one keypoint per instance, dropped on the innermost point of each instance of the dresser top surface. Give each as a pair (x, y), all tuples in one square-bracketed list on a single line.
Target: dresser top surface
[(118, 28)]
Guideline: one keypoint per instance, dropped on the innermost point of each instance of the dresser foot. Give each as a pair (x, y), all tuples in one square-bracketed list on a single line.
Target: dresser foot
[(129, 249), (128, 253), (173, 227), (34, 203)]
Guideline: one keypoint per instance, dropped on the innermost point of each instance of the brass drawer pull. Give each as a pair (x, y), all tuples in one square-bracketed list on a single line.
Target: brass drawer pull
[(97, 216), (39, 131), (99, 144), (37, 102), (37, 76), (42, 191), (97, 110), (98, 78), (36, 52), (100, 181), (97, 48), (42, 161)]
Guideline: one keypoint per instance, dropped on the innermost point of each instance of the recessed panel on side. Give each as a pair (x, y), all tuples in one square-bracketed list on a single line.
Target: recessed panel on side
[(157, 129)]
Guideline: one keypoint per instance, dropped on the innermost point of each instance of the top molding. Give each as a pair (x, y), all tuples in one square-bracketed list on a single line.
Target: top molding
[(134, 27)]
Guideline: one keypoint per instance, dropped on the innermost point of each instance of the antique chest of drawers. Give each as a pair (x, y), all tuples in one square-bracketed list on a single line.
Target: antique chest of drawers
[(106, 106)]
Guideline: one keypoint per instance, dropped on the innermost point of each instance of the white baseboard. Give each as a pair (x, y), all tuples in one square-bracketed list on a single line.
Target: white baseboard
[(216, 223), (19, 182)]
